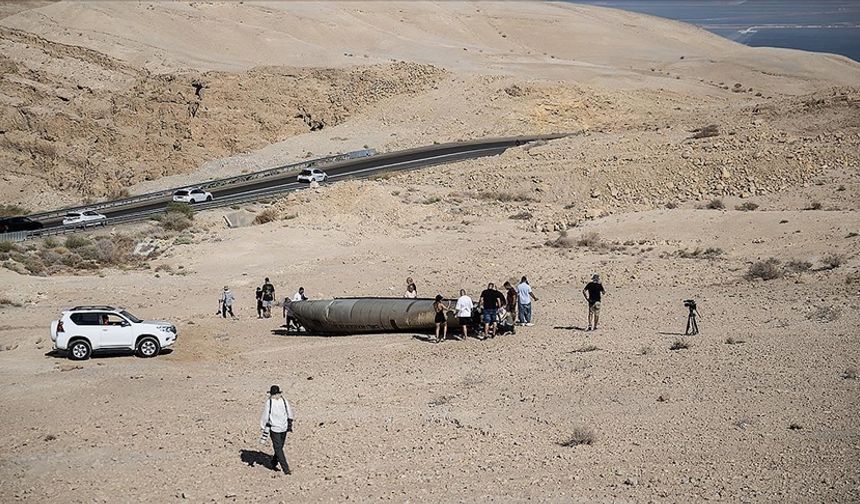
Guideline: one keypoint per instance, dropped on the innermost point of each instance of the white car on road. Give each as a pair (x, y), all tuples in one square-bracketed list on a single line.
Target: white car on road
[(194, 195), (84, 329), (312, 174), (84, 219)]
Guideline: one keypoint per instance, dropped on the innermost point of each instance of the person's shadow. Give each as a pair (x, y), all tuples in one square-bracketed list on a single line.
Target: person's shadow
[(570, 328), (254, 457)]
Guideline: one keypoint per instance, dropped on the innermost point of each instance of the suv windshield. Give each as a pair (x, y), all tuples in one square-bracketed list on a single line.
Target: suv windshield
[(306, 172), (131, 317)]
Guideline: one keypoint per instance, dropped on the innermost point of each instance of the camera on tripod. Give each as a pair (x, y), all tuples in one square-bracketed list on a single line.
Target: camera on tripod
[(692, 326)]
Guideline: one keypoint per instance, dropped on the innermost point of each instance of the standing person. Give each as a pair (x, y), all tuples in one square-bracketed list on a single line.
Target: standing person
[(226, 302), (464, 312), (300, 295), (441, 318), (490, 302), (525, 294), (277, 419), (511, 300), (410, 291), (268, 298), (593, 293), (289, 319), (259, 295), (411, 283)]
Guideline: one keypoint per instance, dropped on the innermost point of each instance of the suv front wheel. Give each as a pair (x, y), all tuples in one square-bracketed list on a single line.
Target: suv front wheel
[(148, 347), (80, 350)]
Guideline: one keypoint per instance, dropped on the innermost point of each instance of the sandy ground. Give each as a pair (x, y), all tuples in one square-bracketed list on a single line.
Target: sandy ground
[(762, 406)]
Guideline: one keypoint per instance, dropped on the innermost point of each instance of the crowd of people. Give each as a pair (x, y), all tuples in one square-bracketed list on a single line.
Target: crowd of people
[(494, 313)]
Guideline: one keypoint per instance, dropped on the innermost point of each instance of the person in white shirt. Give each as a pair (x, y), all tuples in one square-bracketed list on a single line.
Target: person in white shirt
[(464, 312), (525, 295), (226, 302), (300, 295), (277, 419), (410, 291)]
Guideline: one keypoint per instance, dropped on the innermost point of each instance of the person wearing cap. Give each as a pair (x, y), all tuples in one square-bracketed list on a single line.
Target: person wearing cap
[(277, 418), (268, 297), (226, 302), (593, 293)]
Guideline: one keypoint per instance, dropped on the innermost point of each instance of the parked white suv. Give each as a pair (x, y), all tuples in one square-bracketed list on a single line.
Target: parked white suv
[(84, 219), (84, 329)]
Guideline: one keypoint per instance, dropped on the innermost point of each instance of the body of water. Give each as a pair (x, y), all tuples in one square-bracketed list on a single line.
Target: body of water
[(831, 26)]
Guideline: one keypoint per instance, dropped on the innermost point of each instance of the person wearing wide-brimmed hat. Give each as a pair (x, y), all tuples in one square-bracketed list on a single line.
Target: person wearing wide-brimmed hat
[(593, 293), (277, 418)]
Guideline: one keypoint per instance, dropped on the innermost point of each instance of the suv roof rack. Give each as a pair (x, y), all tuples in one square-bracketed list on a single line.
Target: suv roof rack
[(94, 307)]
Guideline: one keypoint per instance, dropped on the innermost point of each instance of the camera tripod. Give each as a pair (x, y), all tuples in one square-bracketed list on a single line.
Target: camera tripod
[(692, 326)]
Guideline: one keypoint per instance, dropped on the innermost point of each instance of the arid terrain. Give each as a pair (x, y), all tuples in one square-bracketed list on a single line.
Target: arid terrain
[(697, 168)]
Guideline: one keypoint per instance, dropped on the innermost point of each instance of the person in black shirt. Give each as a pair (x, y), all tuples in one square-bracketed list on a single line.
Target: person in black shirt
[(259, 295), (268, 298), (593, 293), (490, 302)]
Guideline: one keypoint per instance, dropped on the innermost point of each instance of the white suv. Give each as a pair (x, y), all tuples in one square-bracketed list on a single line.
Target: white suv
[(83, 329), (312, 174)]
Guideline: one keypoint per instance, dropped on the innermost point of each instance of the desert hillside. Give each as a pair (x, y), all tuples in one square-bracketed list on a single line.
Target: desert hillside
[(695, 168)]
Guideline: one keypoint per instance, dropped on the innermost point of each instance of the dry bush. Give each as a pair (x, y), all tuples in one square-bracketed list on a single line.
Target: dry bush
[(7, 246), (797, 266), (715, 204), (267, 215), (710, 130), (521, 216), (825, 314), (431, 200), (765, 270), (679, 344), (12, 211), (505, 196), (579, 436), (590, 240), (815, 205), (832, 260), (76, 241), (8, 302), (585, 348), (708, 253), (747, 206), (175, 221), (181, 208), (671, 205)]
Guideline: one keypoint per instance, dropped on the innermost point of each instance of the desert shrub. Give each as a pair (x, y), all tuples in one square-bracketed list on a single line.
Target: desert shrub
[(715, 204), (32, 263), (76, 241), (825, 314), (267, 215), (7, 246), (679, 344), (290, 216), (8, 302), (710, 130), (181, 208), (164, 267), (12, 211), (175, 221), (765, 270), (505, 196), (183, 240), (431, 200), (671, 205), (579, 436), (832, 260), (747, 206), (521, 216), (815, 205), (797, 266), (51, 242), (708, 253), (585, 348)]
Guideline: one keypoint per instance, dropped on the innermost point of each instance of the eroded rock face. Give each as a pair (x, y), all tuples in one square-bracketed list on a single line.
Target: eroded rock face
[(92, 125)]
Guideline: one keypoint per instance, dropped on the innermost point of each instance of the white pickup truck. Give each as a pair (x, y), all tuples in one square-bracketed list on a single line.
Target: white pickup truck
[(84, 329)]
